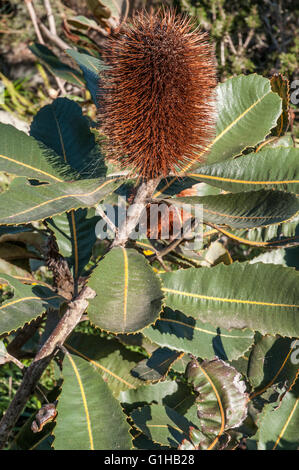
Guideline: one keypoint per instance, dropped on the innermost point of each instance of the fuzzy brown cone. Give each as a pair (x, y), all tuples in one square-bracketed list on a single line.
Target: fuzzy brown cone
[(158, 94)]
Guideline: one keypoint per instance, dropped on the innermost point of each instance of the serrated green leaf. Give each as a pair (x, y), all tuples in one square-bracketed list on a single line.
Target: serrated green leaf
[(129, 295), (75, 236), (222, 401), (276, 235), (271, 168), (271, 363), (27, 303), (264, 298), (176, 395), (89, 417), (91, 68), (141, 442), (180, 365), (247, 110), (244, 210), (62, 128), (156, 367), (172, 185), (278, 428), (23, 156), (161, 424), (23, 203), (182, 333), (113, 361)]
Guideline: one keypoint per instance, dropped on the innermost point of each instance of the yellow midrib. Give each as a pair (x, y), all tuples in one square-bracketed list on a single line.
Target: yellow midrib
[(212, 333), (219, 136), (84, 400), (223, 299), (100, 366), (64, 196), (222, 414), (31, 168), (286, 424), (230, 180), (28, 298), (126, 284)]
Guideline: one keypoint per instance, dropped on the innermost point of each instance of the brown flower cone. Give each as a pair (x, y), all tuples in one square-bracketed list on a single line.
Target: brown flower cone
[(158, 94)]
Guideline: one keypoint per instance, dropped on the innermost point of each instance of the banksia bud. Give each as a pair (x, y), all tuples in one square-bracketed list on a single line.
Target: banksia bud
[(157, 103)]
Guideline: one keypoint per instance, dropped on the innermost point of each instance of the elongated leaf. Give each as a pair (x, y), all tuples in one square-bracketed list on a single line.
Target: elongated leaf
[(27, 303), (173, 185), (263, 297), (162, 424), (247, 110), (129, 295), (181, 364), (141, 442), (75, 236), (276, 168), (274, 236), (113, 361), (177, 331), (91, 68), (176, 395), (23, 203), (55, 66), (278, 428), (156, 367), (244, 210), (271, 363), (21, 155), (62, 128), (89, 417), (222, 401)]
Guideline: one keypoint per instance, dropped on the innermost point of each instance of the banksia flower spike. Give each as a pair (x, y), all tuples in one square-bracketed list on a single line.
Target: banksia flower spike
[(157, 99)]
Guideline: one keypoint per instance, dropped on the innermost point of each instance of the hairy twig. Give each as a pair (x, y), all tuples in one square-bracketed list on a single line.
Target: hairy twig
[(32, 375), (144, 192)]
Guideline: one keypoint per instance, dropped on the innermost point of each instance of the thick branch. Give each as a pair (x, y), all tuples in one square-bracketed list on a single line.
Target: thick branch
[(32, 375)]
